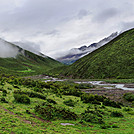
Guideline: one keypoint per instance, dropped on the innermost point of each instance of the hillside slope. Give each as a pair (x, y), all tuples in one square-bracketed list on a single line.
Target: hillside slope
[(114, 60), (25, 62)]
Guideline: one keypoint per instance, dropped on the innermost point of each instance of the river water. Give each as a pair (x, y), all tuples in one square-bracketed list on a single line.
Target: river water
[(107, 85), (98, 83)]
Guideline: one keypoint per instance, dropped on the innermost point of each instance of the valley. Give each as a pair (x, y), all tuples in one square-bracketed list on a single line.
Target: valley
[(41, 95)]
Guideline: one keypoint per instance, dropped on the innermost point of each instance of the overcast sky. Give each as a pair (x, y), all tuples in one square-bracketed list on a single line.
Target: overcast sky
[(54, 26)]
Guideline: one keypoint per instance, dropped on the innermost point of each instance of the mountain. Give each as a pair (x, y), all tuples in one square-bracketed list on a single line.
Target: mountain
[(77, 53), (113, 60), (15, 60)]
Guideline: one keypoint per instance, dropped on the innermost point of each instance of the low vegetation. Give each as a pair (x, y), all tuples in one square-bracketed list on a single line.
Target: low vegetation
[(31, 106)]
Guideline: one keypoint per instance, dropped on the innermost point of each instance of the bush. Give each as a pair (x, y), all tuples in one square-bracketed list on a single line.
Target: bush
[(3, 100), (127, 109), (3, 90), (108, 102), (105, 126), (49, 112), (51, 101), (31, 94), (129, 97), (69, 102), (84, 86), (22, 98), (116, 114), (89, 117), (90, 98), (93, 115)]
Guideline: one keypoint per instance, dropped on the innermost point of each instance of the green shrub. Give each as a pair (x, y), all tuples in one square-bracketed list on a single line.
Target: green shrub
[(93, 115), (31, 94), (116, 114), (3, 90), (51, 101), (90, 98), (69, 102), (3, 100), (22, 98), (89, 117), (105, 126), (108, 102), (129, 96), (4, 94), (127, 109), (49, 112)]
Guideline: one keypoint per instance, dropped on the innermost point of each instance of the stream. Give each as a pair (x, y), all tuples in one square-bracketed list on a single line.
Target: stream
[(96, 83), (109, 86)]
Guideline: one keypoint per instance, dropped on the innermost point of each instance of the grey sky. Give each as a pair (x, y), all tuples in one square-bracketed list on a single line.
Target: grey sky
[(58, 25)]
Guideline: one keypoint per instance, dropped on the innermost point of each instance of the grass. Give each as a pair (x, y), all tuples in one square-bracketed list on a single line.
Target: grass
[(21, 118)]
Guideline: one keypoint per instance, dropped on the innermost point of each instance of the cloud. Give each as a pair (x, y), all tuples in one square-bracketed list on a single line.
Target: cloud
[(55, 25), (7, 50), (30, 46), (105, 15)]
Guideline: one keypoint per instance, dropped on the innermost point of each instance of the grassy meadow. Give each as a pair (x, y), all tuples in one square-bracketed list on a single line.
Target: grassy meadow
[(29, 107)]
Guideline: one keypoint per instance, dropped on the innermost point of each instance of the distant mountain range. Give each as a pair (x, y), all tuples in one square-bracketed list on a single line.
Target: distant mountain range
[(113, 60), (77, 53), (16, 60)]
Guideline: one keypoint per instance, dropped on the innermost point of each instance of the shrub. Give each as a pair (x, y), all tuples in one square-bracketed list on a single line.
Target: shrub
[(127, 109), (69, 102), (129, 97), (4, 94), (22, 98), (49, 112), (3, 90), (93, 115), (3, 100), (116, 114), (90, 98), (51, 101), (89, 117), (105, 126), (84, 86), (108, 102), (31, 94)]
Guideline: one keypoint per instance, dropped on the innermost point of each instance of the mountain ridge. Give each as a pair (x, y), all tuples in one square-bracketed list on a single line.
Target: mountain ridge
[(113, 60), (77, 53)]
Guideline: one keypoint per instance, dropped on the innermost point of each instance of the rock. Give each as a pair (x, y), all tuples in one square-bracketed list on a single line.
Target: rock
[(67, 124), (129, 85)]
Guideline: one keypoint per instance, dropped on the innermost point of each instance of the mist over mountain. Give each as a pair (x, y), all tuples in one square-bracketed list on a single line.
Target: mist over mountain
[(76, 53), (30, 46), (7, 49), (18, 61)]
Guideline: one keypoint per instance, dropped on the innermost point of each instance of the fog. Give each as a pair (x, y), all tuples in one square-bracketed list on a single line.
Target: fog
[(7, 50)]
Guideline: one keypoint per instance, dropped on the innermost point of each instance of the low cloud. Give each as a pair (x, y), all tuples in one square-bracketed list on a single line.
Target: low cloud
[(7, 50), (30, 46)]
